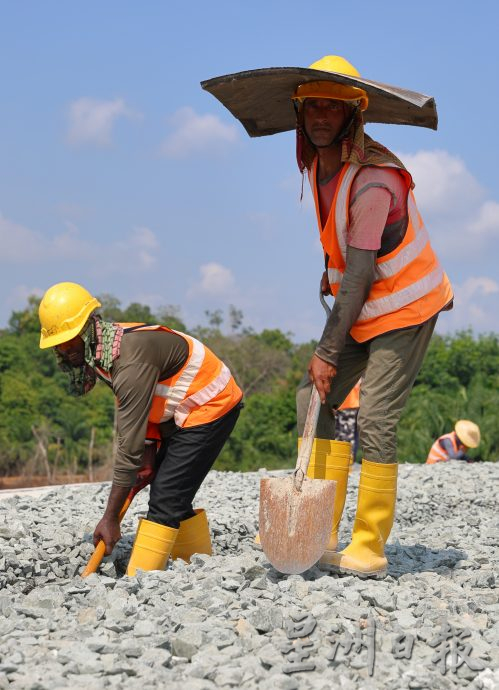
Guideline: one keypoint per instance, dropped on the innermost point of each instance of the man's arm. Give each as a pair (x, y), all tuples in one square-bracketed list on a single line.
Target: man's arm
[(447, 446), (134, 387), (355, 286)]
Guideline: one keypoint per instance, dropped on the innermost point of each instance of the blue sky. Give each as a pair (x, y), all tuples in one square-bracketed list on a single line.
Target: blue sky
[(118, 171)]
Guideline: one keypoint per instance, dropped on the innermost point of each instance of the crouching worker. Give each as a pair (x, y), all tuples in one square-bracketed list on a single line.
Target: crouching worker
[(453, 446), (172, 392)]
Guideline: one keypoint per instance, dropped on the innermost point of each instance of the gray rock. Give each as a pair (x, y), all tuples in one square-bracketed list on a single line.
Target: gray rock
[(221, 621), (187, 642)]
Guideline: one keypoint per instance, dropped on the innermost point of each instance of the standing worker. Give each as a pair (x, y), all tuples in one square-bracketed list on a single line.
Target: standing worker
[(388, 284), (453, 446), (171, 390)]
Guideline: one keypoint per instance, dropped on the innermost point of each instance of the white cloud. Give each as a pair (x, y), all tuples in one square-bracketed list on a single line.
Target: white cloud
[(474, 288), (215, 281), (193, 133), (143, 245), (19, 244), (442, 180), (487, 220), (463, 223), (474, 306), (91, 121), (22, 245)]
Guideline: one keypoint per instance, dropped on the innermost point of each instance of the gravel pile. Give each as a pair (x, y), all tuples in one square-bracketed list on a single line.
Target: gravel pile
[(232, 621)]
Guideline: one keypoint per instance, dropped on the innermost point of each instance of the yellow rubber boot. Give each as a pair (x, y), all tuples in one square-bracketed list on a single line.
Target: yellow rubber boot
[(193, 537), (365, 555), (152, 546), (331, 460)]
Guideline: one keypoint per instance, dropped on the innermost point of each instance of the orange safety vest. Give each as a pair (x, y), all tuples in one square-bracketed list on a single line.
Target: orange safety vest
[(352, 400), (438, 454), (201, 392), (410, 285)]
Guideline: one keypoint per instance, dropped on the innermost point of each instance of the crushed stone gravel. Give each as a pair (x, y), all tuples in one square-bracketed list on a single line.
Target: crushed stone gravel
[(232, 621)]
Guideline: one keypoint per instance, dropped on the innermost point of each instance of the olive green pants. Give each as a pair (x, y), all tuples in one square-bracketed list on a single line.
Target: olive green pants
[(389, 365)]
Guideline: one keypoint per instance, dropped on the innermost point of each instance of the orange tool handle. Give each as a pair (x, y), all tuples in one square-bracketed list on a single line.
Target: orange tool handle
[(145, 476), (100, 549)]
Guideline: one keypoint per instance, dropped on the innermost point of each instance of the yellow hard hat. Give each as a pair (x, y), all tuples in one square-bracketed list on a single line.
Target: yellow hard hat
[(63, 312), (468, 432), (329, 89)]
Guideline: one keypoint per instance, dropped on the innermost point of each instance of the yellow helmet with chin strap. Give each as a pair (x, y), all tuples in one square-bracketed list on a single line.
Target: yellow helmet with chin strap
[(330, 89), (64, 311)]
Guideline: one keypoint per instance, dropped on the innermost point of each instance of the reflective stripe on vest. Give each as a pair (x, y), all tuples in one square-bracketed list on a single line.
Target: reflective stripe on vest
[(203, 379), (179, 396), (437, 453), (408, 274), (203, 396), (175, 394)]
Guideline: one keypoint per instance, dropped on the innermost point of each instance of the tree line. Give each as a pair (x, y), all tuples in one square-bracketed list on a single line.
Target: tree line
[(43, 430)]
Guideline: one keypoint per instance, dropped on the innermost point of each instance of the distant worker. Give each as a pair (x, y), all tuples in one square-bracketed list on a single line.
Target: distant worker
[(453, 446), (172, 393), (346, 419)]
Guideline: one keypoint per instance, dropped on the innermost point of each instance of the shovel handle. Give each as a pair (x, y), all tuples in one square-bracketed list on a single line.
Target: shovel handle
[(326, 306), (100, 550), (314, 409)]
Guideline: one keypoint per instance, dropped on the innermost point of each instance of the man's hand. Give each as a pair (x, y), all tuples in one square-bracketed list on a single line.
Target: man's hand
[(147, 470), (109, 531), (321, 373), (325, 287)]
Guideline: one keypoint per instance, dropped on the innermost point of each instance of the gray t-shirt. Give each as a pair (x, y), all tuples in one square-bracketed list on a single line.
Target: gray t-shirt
[(146, 357)]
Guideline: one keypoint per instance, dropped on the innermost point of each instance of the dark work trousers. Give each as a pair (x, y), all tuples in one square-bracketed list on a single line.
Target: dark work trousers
[(188, 455)]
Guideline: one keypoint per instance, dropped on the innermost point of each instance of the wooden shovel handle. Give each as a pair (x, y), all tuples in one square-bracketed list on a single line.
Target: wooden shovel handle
[(314, 409), (100, 550)]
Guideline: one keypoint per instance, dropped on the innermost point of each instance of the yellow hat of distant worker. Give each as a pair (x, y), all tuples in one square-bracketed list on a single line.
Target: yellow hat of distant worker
[(468, 432)]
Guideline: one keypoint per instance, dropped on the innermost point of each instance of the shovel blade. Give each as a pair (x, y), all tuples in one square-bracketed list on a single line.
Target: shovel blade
[(295, 525)]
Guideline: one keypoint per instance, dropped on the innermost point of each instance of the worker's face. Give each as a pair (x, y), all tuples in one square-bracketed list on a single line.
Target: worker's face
[(323, 119), (72, 352)]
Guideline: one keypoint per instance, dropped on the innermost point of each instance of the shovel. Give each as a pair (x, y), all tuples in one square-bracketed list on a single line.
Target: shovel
[(296, 513)]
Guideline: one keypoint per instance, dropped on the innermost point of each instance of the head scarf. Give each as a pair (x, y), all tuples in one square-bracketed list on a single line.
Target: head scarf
[(102, 341)]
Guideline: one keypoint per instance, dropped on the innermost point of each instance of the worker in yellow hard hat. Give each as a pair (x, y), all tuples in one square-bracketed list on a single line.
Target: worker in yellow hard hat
[(453, 446), (388, 284), (389, 288), (177, 405)]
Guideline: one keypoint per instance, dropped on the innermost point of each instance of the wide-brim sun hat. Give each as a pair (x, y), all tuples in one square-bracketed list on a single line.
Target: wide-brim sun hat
[(468, 432), (261, 99)]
